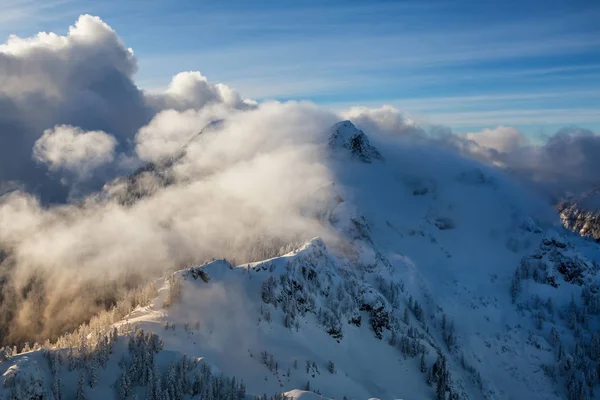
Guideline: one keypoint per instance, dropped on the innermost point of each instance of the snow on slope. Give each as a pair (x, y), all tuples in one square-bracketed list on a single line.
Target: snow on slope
[(584, 221), (225, 322), (430, 246), (236, 326)]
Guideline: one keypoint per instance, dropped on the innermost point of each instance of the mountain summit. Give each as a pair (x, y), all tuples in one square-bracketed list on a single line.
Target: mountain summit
[(345, 135)]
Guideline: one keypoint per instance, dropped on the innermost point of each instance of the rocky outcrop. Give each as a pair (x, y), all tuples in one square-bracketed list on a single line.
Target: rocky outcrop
[(584, 222), (345, 135)]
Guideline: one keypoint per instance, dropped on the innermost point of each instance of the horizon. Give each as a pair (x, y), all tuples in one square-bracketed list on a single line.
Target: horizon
[(464, 65)]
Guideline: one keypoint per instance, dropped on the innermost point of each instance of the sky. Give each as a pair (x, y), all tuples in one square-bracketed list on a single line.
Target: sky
[(534, 65)]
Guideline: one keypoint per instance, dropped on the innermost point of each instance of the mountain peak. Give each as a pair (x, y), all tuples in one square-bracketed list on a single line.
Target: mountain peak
[(345, 135), (346, 128)]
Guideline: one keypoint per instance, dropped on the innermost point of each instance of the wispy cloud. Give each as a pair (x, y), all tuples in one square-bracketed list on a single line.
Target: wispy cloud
[(490, 100), (524, 109), (516, 117), (347, 58), (425, 56), (17, 12), (349, 52)]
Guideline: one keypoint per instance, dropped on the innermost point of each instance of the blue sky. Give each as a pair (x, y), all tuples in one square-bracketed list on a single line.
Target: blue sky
[(466, 64)]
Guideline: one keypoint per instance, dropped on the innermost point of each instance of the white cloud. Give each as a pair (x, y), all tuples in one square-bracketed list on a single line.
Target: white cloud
[(242, 190), (85, 79), (59, 65), (503, 138), (191, 90), (567, 160), (71, 149), (386, 119), (170, 130)]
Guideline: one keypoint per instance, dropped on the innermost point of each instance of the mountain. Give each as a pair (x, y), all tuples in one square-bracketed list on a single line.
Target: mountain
[(445, 279), (152, 176), (584, 221), (345, 135), (582, 214)]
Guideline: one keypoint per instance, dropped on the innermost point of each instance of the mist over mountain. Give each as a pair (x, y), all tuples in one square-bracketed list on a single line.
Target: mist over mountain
[(417, 261)]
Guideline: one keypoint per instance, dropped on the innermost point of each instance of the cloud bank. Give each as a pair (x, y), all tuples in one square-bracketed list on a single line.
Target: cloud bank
[(83, 79), (566, 162), (220, 176), (244, 190), (69, 148), (504, 139)]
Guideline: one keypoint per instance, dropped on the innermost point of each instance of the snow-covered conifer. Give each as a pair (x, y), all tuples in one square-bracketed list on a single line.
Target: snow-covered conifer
[(80, 395)]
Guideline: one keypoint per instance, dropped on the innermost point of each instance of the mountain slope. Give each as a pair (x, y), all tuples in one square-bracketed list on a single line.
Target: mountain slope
[(585, 222), (436, 284)]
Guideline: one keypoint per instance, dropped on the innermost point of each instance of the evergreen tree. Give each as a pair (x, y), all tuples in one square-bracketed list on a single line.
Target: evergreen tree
[(56, 391), (264, 358), (444, 323), (4, 354), (515, 286), (70, 359), (418, 311), (241, 394), (550, 306), (171, 382), (331, 367), (123, 385), (93, 373), (393, 338), (561, 352), (450, 335), (268, 291), (80, 391), (442, 379), (554, 337), (431, 375), (572, 317), (156, 388), (539, 320)]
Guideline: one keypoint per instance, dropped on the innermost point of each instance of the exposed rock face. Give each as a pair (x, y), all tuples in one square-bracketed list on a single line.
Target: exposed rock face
[(584, 222), (152, 176), (345, 135), (444, 223), (555, 259), (142, 183)]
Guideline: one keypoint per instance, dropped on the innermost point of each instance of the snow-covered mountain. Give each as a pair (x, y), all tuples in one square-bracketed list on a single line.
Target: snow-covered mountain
[(445, 279), (586, 222)]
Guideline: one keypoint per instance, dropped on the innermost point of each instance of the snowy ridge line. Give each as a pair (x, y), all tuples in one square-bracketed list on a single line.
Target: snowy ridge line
[(441, 280)]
